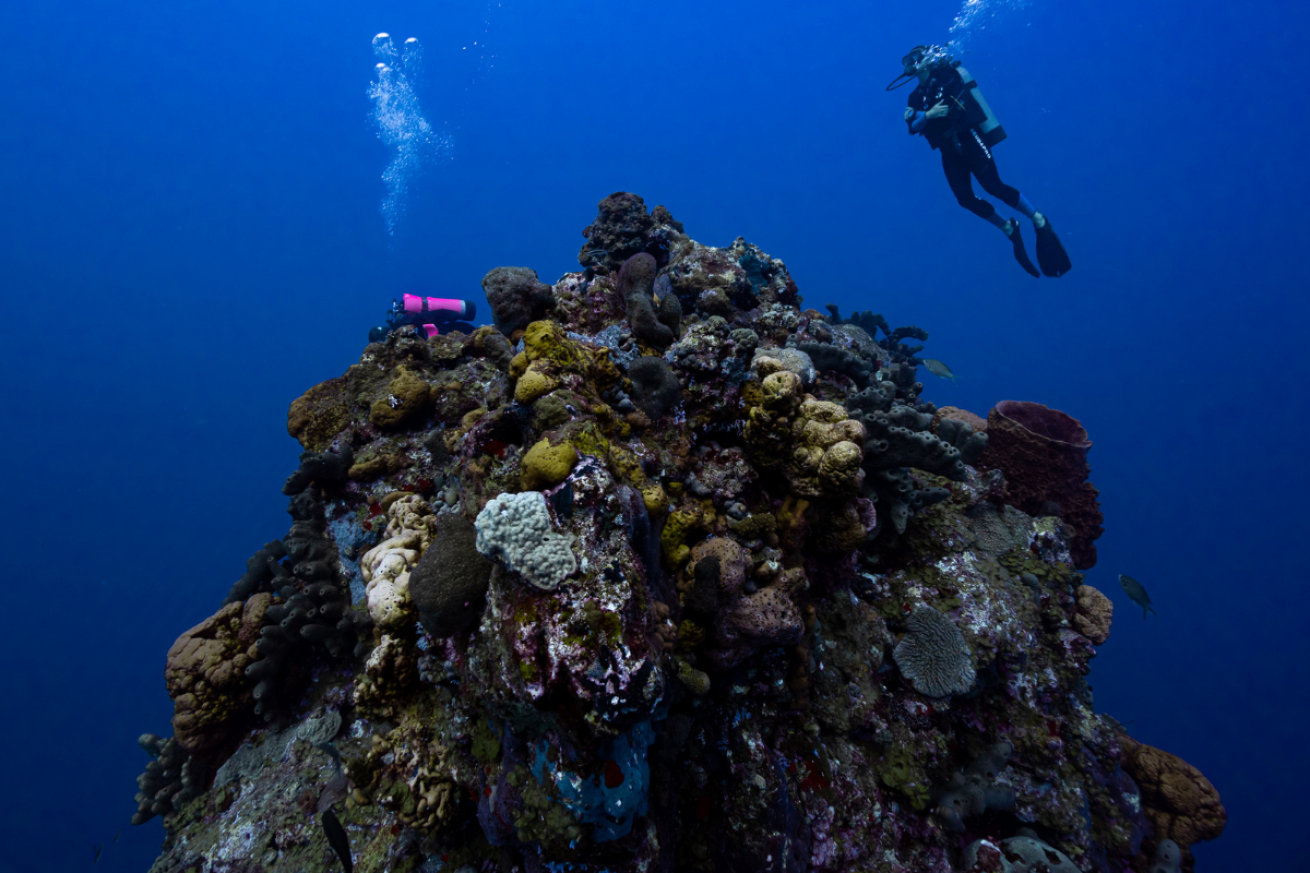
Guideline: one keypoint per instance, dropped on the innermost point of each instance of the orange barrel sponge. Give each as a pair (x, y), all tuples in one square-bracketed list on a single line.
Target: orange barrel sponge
[(1043, 454)]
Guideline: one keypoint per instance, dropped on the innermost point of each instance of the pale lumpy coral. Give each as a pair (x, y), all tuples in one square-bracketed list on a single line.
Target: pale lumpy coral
[(386, 566)]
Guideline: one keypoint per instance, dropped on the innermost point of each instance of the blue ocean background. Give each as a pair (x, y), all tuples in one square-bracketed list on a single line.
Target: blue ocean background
[(191, 236)]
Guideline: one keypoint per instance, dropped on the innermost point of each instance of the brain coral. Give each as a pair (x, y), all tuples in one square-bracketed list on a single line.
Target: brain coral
[(933, 654), (516, 528)]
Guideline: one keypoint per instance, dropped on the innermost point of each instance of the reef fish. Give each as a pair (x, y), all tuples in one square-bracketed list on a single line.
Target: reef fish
[(337, 839), (1134, 589), (937, 368), (331, 751)]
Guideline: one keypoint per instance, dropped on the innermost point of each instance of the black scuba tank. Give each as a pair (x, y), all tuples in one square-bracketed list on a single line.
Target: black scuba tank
[(989, 129)]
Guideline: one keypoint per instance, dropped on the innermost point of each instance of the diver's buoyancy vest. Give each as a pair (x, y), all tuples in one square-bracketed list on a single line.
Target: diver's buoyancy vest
[(989, 128)]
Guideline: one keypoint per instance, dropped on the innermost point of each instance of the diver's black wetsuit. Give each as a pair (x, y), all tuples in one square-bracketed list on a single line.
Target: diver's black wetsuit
[(956, 136)]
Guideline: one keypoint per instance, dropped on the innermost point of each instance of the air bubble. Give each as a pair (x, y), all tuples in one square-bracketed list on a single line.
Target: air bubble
[(400, 121)]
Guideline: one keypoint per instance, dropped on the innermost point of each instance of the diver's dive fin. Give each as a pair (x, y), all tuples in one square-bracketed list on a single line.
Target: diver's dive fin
[(1020, 253), (1050, 254)]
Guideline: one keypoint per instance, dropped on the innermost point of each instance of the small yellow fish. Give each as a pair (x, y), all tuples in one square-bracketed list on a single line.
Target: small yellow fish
[(937, 368)]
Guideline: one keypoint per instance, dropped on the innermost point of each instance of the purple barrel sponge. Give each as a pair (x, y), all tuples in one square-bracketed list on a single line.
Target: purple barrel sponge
[(1043, 453)]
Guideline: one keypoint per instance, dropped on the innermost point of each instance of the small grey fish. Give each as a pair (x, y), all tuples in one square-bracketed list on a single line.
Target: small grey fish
[(337, 839), (1134, 590), (98, 849), (937, 368), (331, 751)]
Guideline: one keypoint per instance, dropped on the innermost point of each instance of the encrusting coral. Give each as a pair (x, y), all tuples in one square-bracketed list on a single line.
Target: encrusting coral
[(662, 572)]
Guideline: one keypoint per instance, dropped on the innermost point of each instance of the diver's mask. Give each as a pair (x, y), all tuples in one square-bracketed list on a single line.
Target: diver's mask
[(910, 63)]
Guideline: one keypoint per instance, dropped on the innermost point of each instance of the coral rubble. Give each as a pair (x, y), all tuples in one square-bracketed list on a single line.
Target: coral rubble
[(663, 572)]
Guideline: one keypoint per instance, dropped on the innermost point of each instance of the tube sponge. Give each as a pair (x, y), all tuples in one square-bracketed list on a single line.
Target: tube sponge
[(516, 529)]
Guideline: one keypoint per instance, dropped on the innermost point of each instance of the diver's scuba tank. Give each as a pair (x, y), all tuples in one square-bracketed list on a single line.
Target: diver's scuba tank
[(989, 128)]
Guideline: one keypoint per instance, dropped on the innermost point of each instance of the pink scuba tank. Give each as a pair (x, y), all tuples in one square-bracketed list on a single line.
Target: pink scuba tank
[(444, 308)]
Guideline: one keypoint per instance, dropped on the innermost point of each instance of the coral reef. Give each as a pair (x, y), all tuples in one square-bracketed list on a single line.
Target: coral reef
[(662, 572)]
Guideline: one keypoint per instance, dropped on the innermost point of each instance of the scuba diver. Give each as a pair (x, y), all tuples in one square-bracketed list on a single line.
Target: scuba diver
[(428, 315), (947, 109)]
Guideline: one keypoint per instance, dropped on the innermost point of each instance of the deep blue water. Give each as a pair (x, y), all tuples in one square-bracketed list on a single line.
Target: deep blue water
[(190, 236)]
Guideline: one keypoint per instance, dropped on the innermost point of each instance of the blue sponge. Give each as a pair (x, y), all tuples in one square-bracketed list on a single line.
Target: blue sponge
[(614, 799)]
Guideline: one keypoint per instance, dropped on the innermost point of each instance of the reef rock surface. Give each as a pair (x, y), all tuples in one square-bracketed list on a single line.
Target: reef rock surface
[(704, 530)]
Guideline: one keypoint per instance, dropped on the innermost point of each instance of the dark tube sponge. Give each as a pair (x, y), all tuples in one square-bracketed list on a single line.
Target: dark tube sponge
[(975, 791), (654, 387), (637, 286), (328, 469)]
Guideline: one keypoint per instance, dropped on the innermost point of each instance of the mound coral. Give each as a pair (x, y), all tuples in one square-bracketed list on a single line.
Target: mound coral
[(1095, 611), (205, 675), (812, 442), (517, 297), (1180, 802), (449, 584)]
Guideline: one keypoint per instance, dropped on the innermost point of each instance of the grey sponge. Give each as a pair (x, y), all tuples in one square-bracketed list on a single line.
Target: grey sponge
[(1021, 854), (976, 790), (1168, 858), (933, 654), (516, 529)]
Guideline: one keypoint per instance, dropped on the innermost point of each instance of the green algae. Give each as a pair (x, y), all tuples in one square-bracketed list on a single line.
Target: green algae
[(486, 745), (903, 771)]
